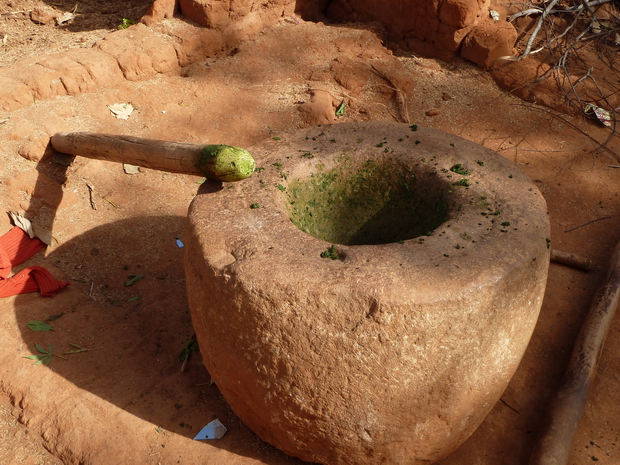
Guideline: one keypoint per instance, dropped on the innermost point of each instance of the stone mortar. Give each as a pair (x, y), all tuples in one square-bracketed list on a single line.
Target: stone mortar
[(384, 341)]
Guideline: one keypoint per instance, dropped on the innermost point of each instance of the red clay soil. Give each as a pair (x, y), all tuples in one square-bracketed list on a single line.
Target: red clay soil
[(127, 399)]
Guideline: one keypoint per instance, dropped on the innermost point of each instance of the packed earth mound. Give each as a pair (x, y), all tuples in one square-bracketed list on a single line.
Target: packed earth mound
[(121, 392)]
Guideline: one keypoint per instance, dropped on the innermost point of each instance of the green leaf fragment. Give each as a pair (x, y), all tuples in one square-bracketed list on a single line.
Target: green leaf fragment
[(39, 326), (458, 169), (340, 109), (126, 23), (330, 253), (133, 279), (45, 356), (44, 359), (41, 349), (189, 346)]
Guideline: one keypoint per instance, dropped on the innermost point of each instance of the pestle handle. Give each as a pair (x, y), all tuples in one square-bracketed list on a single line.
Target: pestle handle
[(217, 162)]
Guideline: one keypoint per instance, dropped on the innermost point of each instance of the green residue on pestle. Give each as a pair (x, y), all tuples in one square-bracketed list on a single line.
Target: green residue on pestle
[(225, 163)]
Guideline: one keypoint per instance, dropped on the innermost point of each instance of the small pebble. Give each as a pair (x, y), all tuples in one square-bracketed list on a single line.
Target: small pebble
[(432, 112)]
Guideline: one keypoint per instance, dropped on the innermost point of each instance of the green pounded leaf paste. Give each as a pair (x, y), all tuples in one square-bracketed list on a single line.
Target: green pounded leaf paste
[(378, 202), (225, 163)]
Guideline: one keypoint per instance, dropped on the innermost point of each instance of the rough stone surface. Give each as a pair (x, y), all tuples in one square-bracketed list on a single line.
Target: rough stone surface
[(391, 353), (489, 40)]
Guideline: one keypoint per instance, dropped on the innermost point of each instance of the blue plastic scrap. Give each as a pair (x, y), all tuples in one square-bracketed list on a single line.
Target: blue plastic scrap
[(214, 430)]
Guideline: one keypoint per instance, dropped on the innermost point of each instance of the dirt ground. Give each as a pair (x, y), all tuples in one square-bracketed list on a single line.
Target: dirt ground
[(127, 399)]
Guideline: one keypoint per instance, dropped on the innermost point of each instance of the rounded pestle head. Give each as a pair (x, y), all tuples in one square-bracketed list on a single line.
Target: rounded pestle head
[(225, 163)]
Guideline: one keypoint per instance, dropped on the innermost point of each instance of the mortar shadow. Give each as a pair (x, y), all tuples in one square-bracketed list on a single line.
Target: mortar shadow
[(134, 333)]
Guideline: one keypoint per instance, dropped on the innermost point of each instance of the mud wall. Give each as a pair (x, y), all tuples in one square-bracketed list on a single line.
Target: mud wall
[(433, 28), (441, 29)]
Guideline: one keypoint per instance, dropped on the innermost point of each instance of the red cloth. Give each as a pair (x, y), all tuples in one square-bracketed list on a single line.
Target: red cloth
[(15, 248)]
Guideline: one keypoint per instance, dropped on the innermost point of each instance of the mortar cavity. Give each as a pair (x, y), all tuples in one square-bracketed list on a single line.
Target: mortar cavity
[(378, 202)]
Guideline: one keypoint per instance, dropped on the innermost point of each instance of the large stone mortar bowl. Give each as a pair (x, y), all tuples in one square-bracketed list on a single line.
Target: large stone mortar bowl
[(367, 295)]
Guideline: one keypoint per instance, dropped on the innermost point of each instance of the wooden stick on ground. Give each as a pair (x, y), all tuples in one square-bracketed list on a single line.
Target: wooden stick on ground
[(401, 96), (567, 407), (570, 259), (219, 162)]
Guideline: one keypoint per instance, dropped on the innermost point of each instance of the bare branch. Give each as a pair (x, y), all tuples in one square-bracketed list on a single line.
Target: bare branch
[(530, 42), (577, 9)]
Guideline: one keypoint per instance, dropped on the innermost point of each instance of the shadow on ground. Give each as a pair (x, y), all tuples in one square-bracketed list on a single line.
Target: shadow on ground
[(134, 333)]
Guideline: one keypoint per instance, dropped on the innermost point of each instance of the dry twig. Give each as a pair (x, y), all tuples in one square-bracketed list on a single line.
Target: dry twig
[(91, 193), (578, 9), (563, 48), (601, 145), (401, 96), (588, 222)]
